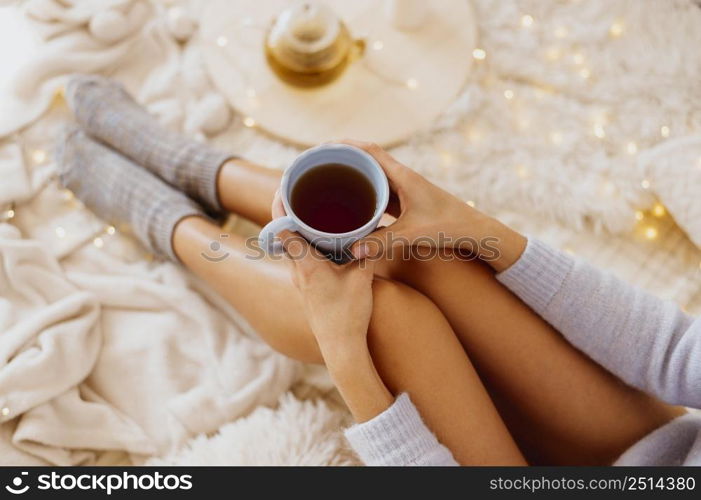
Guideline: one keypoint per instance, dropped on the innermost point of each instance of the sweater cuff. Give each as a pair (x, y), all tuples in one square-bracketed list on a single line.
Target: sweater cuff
[(538, 274), (398, 437)]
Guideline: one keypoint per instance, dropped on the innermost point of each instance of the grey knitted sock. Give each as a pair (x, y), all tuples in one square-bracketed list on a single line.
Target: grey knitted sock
[(119, 191), (106, 111)]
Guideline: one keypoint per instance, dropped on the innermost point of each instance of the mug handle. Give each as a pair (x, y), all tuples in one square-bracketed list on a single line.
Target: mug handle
[(266, 238)]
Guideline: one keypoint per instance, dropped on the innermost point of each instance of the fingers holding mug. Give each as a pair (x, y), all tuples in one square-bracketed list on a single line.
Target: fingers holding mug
[(304, 258), (277, 209)]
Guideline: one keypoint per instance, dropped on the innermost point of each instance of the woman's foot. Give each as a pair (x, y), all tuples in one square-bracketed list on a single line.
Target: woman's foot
[(106, 111), (119, 191)]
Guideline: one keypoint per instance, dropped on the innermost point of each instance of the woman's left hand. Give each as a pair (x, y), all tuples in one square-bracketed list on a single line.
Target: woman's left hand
[(338, 304), (337, 298)]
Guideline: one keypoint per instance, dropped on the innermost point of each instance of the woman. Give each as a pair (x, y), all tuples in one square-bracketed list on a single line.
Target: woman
[(529, 358)]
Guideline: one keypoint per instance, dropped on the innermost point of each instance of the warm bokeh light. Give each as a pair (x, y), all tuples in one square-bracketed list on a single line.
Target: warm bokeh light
[(659, 210), (616, 29)]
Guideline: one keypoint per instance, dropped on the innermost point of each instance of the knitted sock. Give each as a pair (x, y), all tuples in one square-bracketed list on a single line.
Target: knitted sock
[(106, 111), (119, 191)]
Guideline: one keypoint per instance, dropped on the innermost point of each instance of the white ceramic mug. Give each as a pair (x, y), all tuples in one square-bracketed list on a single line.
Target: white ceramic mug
[(314, 157)]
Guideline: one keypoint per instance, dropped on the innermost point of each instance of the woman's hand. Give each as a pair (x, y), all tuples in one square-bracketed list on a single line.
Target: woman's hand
[(337, 301), (429, 216)]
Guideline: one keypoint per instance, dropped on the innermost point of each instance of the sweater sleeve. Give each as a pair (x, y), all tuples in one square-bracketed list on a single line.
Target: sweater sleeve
[(398, 437), (647, 342)]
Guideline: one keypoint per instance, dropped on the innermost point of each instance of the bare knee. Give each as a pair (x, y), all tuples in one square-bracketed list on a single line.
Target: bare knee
[(433, 269), (400, 311), (400, 315), (403, 320)]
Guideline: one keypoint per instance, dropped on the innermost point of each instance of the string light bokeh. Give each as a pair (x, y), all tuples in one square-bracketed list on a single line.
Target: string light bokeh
[(646, 221)]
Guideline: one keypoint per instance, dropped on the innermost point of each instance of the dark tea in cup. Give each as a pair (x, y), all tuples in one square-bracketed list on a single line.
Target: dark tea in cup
[(333, 198)]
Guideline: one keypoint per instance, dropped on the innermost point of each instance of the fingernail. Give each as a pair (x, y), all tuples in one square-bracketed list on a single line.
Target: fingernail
[(361, 251)]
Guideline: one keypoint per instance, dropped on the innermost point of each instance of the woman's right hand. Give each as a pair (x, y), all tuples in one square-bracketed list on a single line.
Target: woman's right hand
[(427, 215)]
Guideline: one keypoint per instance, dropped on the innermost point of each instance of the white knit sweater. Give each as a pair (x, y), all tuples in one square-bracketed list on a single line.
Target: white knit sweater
[(648, 343)]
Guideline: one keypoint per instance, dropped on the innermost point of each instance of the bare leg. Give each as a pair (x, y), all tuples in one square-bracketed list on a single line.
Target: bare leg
[(411, 343), (247, 189), (560, 406)]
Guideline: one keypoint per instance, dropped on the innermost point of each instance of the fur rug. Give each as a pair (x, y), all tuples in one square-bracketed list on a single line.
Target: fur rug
[(295, 433)]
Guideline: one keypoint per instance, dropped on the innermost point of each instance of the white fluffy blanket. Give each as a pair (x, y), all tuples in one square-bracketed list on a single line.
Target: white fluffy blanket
[(580, 116), (295, 433)]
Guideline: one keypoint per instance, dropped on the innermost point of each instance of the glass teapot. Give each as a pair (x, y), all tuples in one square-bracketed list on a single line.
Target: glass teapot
[(308, 45)]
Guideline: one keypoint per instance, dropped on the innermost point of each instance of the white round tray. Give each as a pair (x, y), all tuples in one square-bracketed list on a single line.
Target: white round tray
[(401, 84)]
